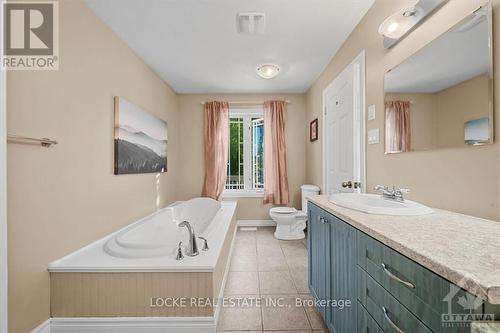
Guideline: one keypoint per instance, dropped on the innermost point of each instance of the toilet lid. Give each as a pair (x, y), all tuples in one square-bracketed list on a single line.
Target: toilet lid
[(283, 210)]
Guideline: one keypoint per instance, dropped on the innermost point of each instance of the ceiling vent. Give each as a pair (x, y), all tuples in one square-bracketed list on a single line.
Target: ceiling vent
[(251, 23)]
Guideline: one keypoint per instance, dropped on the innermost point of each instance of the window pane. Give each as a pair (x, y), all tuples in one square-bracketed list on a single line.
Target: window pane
[(235, 180), (258, 153)]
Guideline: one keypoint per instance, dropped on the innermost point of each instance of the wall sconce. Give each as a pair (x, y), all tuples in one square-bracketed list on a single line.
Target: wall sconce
[(398, 25)]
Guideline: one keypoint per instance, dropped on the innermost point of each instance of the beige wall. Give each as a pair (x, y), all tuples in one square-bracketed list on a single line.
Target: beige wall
[(192, 158), (67, 196), (460, 179), (456, 105)]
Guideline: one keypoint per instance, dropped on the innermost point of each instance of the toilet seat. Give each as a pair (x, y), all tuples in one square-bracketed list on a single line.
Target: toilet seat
[(283, 210)]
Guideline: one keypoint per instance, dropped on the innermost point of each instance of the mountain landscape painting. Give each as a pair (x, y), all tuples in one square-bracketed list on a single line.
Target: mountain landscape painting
[(140, 140)]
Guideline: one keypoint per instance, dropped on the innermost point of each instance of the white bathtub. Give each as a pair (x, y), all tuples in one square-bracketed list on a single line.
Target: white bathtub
[(149, 245)]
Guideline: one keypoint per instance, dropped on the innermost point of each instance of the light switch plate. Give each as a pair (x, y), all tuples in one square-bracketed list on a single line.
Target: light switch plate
[(371, 112), (373, 136)]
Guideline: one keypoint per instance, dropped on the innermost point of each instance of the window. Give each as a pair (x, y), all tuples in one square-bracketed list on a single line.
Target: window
[(245, 169)]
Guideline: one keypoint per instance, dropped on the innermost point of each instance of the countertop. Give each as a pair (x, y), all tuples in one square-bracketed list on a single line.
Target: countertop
[(485, 327), (463, 249)]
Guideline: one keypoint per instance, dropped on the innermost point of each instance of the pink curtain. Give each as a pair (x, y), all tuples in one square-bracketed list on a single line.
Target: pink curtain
[(397, 127), (216, 148), (275, 169)]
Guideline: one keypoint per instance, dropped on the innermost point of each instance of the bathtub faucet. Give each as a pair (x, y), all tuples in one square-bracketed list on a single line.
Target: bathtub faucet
[(192, 249)]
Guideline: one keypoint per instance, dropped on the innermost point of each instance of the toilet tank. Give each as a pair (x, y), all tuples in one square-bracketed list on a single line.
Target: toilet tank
[(307, 191)]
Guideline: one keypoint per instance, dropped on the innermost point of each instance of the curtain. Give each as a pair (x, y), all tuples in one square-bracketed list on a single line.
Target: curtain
[(275, 169), (397, 127), (216, 148)]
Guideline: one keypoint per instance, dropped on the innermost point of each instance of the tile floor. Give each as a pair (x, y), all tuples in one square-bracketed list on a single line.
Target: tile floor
[(268, 269)]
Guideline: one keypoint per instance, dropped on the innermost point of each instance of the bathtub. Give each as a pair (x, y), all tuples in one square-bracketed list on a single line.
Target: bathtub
[(159, 235), (112, 284), (150, 244)]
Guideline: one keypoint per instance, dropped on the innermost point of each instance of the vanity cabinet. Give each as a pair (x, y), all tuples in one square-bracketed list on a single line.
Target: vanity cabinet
[(388, 291), (332, 266)]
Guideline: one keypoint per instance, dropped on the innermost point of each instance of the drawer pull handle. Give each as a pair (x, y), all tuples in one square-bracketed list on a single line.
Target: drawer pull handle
[(391, 322), (394, 277)]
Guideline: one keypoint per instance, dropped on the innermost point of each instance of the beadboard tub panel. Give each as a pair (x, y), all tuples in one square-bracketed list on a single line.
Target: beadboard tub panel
[(223, 261), (124, 294)]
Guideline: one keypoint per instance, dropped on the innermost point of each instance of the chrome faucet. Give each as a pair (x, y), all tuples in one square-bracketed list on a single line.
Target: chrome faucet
[(192, 249), (396, 194), (179, 252)]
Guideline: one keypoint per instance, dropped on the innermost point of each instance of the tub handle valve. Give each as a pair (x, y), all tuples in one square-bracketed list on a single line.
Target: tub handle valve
[(205, 244), (179, 256)]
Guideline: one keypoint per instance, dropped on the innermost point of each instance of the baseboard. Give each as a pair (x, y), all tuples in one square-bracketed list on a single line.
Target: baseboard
[(140, 324), (134, 325), (256, 223), (43, 327)]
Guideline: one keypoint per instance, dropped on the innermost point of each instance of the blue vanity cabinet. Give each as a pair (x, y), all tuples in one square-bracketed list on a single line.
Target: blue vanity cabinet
[(332, 268), (318, 243), (425, 294), (342, 284), (388, 291)]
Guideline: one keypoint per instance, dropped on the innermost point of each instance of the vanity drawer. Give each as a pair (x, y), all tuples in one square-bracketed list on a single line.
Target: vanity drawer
[(366, 324), (389, 314), (417, 288)]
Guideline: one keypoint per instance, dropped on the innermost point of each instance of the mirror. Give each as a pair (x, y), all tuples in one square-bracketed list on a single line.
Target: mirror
[(442, 96)]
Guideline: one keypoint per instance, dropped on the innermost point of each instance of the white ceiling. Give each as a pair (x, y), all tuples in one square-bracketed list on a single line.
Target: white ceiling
[(453, 58), (194, 45)]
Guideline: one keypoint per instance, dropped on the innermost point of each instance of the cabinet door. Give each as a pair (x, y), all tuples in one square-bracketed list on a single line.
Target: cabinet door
[(318, 256), (342, 318)]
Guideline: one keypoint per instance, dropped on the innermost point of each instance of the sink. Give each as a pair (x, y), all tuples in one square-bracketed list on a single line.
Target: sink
[(375, 204)]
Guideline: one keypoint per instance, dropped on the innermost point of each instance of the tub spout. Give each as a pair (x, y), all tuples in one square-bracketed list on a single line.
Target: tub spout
[(192, 249)]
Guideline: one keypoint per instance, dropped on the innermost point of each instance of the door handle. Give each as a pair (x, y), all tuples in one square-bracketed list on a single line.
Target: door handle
[(347, 184), (322, 220)]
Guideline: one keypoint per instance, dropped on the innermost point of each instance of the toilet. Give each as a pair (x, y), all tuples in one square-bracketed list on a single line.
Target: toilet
[(290, 222)]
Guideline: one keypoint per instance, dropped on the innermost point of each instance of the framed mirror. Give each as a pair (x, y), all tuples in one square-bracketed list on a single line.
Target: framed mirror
[(442, 96)]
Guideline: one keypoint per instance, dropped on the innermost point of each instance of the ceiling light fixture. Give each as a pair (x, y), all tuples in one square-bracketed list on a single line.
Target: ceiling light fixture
[(268, 71)]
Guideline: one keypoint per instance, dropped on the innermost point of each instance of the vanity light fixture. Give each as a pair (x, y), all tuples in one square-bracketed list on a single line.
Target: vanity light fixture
[(268, 71), (397, 25), (401, 23)]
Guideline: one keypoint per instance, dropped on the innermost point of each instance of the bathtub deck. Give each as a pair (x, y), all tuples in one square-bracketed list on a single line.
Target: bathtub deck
[(93, 258), (82, 292)]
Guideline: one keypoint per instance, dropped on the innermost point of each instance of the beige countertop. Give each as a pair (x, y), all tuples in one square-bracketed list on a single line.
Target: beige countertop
[(463, 249), (485, 327)]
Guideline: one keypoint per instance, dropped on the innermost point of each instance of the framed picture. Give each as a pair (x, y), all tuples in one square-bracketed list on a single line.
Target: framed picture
[(313, 130), (140, 140)]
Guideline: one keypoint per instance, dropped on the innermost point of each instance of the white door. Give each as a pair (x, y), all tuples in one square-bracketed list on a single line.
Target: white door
[(344, 131)]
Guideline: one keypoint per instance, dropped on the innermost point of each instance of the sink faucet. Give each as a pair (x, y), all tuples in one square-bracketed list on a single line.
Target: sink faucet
[(192, 249), (396, 194)]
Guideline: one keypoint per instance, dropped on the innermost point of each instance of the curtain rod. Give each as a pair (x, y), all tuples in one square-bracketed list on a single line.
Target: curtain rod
[(247, 102)]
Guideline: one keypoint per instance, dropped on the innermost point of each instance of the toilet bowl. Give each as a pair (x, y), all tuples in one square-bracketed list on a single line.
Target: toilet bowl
[(290, 223)]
